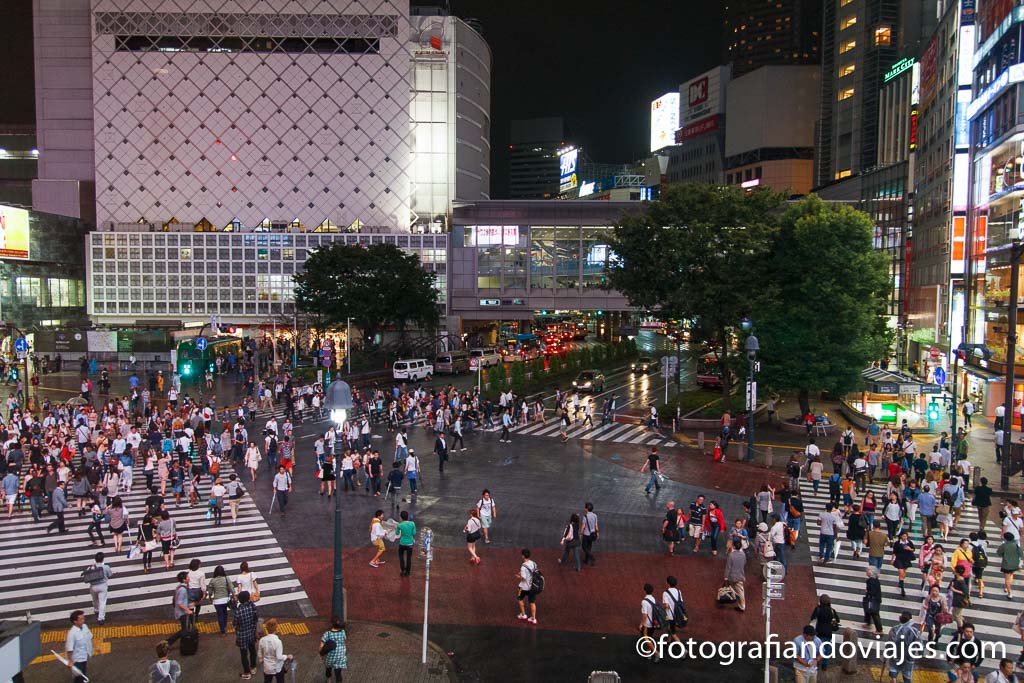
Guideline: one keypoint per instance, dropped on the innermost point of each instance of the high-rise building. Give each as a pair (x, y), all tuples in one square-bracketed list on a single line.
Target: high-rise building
[(533, 153), (760, 33), (859, 44), (699, 153), (280, 116)]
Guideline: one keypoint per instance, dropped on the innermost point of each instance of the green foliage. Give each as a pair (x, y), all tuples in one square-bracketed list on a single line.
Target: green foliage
[(597, 355), (537, 367), (375, 286), (691, 255), (586, 357), (518, 377), (820, 313)]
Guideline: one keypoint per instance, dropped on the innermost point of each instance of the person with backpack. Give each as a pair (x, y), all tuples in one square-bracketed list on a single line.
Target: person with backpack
[(652, 617), (675, 609), (903, 636), (979, 553), (97, 576), (793, 472), (571, 541), (182, 607), (531, 582), (735, 572), (826, 623)]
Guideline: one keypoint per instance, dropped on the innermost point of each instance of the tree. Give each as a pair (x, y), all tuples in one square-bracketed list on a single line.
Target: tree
[(820, 316), (375, 286), (694, 255)]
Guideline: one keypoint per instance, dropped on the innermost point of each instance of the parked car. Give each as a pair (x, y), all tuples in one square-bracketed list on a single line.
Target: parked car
[(412, 369), (452, 363), (589, 380), (644, 364)]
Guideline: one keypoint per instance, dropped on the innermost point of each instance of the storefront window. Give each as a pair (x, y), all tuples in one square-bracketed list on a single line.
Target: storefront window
[(542, 257), (567, 248), (515, 267), (488, 267)]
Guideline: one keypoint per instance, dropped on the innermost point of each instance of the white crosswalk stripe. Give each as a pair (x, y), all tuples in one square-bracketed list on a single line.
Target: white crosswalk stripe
[(843, 579), (617, 432), (42, 573)]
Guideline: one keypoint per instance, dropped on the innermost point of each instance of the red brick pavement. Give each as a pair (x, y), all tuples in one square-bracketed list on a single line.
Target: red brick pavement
[(604, 599)]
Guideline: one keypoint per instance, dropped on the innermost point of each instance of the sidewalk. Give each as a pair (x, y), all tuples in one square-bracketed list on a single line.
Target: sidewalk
[(378, 653)]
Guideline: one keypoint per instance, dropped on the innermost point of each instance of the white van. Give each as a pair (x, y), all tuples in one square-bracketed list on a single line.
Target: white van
[(487, 356), (412, 369)]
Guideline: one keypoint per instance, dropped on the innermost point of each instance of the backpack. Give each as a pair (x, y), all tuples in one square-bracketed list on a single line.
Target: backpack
[(94, 575), (536, 581), (679, 615), (658, 616), (980, 557)]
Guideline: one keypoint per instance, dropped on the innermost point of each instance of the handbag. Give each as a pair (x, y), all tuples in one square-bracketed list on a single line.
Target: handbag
[(943, 618), (327, 647), (473, 537), (175, 542), (942, 509)]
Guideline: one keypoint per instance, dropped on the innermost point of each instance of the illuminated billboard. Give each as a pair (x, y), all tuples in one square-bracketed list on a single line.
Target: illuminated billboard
[(13, 233), (568, 163), (664, 120)]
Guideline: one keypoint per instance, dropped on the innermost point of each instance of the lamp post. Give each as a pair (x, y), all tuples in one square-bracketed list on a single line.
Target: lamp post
[(752, 347), (339, 403), (1016, 251)]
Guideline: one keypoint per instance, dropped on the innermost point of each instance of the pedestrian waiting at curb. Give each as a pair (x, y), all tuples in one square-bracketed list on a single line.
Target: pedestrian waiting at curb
[(164, 670)]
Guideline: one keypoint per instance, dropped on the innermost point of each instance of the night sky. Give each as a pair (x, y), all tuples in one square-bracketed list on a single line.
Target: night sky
[(597, 63)]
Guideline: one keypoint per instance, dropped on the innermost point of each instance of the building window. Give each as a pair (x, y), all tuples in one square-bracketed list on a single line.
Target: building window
[(27, 289), (847, 70), (847, 46), (883, 35), (845, 94), (847, 22), (846, 173)]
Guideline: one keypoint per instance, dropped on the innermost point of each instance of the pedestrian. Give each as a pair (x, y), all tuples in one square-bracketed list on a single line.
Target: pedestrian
[(1004, 674), (893, 515), (196, 585), (650, 617), (282, 487), (58, 503), (245, 622), (526, 593), (472, 531), (765, 497), (589, 533), (96, 519), (571, 541), (406, 538), (966, 651), (794, 509), (252, 459), (487, 512), (826, 622), (979, 553), (1009, 564), (412, 467), (777, 537), (807, 648), (713, 525), (377, 534), (441, 451), (904, 556), (960, 591), (147, 541), (216, 500), (963, 556), (167, 530), (829, 522), (334, 650), (815, 469), (234, 493), (182, 607), (856, 530), (271, 652), (982, 501), (78, 647), (221, 593), (877, 542), (735, 572), (695, 524), (164, 670), (654, 466), (97, 575), (872, 601), (506, 424), (669, 527), (904, 638)]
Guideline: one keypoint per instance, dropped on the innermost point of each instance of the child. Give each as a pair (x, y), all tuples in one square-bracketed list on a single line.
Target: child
[(718, 448), (847, 489)]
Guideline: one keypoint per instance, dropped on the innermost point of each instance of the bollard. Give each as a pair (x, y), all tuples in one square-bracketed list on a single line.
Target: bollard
[(740, 448), (768, 456), (674, 425), (700, 440), (849, 665)]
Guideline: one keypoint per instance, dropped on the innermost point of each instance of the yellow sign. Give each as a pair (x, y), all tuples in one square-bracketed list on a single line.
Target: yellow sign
[(13, 233)]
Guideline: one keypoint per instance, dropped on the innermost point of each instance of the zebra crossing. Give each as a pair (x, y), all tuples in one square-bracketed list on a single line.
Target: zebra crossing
[(843, 579), (616, 432), (42, 573)]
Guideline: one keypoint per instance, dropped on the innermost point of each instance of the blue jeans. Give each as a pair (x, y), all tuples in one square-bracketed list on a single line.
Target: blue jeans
[(401, 453), (826, 544), (412, 481), (875, 562), (652, 481), (794, 523), (222, 617), (780, 554)]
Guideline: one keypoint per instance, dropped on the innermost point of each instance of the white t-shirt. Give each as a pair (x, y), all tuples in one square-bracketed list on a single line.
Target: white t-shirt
[(486, 506), (412, 463), (812, 449), (526, 571), (668, 600), (246, 582), (647, 609), (777, 533)]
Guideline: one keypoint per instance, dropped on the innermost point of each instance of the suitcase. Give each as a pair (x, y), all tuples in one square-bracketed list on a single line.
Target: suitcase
[(189, 639)]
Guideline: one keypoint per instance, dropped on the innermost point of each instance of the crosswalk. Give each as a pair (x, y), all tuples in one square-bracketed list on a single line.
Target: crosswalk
[(42, 573), (843, 579), (617, 432)]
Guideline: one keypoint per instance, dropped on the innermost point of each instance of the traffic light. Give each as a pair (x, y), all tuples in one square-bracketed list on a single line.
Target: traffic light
[(211, 367), (933, 411), (14, 374), (186, 369)]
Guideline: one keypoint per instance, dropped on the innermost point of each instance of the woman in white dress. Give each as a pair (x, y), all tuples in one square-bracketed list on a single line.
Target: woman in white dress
[(252, 459)]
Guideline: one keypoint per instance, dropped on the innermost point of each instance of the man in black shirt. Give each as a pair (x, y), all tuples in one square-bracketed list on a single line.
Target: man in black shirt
[(982, 501), (669, 527), (154, 502), (654, 466)]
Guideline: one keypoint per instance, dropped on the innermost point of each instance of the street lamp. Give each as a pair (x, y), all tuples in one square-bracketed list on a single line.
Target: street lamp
[(1016, 251), (338, 400), (752, 347)]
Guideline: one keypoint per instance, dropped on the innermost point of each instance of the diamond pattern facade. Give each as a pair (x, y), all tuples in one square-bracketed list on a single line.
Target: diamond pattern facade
[(235, 112)]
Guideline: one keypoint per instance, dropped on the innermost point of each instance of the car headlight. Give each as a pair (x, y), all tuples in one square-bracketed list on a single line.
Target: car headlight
[(574, 382), (587, 384)]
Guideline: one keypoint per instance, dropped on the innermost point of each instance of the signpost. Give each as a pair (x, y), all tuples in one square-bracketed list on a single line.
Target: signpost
[(201, 344), (774, 589), (21, 345), (940, 376), (669, 366)]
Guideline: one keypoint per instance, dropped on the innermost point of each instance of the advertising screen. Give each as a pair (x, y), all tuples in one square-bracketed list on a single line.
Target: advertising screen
[(664, 120), (568, 163), (13, 233)]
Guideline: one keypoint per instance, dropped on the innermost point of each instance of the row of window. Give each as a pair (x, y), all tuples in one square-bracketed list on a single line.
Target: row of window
[(260, 239), (154, 259), (47, 292), (743, 176)]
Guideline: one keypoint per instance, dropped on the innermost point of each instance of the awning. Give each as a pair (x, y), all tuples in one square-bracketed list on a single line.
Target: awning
[(880, 381)]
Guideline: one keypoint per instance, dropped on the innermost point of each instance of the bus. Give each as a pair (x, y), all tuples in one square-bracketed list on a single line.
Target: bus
[(653, 326), (521, 347), (709, 371), (190, 359)]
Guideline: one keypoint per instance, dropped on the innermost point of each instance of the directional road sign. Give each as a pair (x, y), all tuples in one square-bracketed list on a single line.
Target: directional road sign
[(201, 343), (21, 345), (940, 376)]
